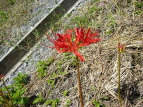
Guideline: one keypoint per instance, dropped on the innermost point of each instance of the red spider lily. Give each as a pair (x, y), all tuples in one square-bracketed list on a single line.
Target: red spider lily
[(69, 43), (121, 47), (1, 76)]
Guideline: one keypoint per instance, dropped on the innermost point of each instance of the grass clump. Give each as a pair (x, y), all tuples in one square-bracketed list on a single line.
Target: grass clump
[(13, 14)]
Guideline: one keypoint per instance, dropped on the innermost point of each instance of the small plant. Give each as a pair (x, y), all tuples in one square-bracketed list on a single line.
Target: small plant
[(109, 31), (5, 97), (41, 69), (12, 2), (12, 94), (39, 99), (17, 89), (53, 75), (58, 65), (97, 103), (62, 73), (17, 97), (69, 56), (3, 17), (52, 102), (51, 82), (105, 98), (42, 66), (20, 79), (93, 87), (139, 4), (82, 20), (65, 93), (68, 103), (93, 9)]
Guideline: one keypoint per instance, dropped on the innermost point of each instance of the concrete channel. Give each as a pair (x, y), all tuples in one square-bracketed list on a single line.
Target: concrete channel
[(9, 60)]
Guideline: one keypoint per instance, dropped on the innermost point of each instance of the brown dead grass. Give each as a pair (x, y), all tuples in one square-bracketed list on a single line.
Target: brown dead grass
[(16, 13)]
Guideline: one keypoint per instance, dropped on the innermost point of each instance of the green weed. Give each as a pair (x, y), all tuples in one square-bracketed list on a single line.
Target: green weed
[(39, 99), (17, 97), (52, 102), (20, 79), (16, 90), (93, 9), (62, 73), (97, 103), (65, 93), (42, 66), (12, 2), (59, 65), (53, 75), (68, 103), (51, 82), (138, 4), (3, 17)]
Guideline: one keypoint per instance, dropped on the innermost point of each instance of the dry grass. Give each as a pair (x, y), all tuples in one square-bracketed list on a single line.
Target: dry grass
[(12, 15), (117, 22)]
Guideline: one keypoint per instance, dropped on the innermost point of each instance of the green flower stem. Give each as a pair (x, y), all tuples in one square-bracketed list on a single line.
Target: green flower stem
[(119, 84), (8, 93), (79, 83)]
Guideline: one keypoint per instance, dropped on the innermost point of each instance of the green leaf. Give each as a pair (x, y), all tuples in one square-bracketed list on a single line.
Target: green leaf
[(68, 102), (14, 101), (52, 102), (21, 92), (65, 93), (21, 78), (93, 87), (139, 4), (16, 95), (51, 82), (48, 102), (98, 104), (105, 98), (23, 100), (55, 102), (37, 100), (62, 73)]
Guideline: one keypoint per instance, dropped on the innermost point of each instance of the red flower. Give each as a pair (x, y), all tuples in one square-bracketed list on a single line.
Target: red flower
[(121, 47), (72, 40), (1, 76)]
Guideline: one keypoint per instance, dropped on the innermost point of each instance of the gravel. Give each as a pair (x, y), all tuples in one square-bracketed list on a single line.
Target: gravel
[(40, 10)]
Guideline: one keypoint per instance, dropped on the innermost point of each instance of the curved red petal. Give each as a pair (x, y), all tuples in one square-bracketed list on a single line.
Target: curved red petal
[(79, 55)]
